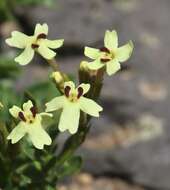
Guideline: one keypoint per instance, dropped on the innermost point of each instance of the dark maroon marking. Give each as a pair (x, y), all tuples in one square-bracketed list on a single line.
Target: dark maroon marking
[(35, 46), (41, 36), (33, 111), (67, 91), (80, 92), (104, 49), (21, 116), (104, 60)]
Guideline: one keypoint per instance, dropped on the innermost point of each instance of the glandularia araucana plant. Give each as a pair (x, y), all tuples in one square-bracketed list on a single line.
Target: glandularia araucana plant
[(29, 132)]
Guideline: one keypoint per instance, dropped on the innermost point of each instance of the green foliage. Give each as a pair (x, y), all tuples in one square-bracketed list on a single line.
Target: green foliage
[(7, 7), (34, 169), (35, 2), (23, 166), (8, 68), (70, 166), (9, 71), (5, 13), (8, 97), (46, 88)]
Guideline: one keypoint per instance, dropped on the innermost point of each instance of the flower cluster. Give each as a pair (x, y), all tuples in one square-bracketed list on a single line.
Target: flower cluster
[(73, 100)]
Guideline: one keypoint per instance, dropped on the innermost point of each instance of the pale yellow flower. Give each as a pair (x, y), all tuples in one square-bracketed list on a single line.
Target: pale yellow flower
[(31, 124), (37, 42), (110, 55), (71, 103)]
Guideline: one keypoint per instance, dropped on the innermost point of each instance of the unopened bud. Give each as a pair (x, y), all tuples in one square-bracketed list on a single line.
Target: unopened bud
[(57, 77), (83, 66), (1, 105)]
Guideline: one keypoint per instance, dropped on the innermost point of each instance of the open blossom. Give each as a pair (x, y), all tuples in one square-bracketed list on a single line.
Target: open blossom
[(71, 103), (37, 42), (30, 124), (110, 55)]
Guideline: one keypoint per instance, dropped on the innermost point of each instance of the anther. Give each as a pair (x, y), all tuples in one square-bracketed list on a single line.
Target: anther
[(104, 60), (21, 116), (41, 36), (35, 46), (33, 111), (80, 92), (104, 49), (67, 91)]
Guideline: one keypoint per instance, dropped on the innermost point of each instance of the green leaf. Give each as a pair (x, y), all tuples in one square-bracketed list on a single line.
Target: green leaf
[(70, 167), (25, 180), (43, 92), (50, 188), (8, 97), (27, 150), (8, 68)]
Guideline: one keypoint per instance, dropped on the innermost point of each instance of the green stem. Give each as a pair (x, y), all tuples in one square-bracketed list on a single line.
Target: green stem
[(59, 84), (72, 144), (53, 64)]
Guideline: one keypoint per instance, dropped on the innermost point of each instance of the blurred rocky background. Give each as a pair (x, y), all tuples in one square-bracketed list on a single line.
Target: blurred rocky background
[(128, 147)]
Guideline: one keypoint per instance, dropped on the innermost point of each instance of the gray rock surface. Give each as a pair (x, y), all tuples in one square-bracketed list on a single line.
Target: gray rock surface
[(87, 182)]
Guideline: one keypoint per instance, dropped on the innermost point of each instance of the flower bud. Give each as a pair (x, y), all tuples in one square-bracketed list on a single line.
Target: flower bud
[(1, 105), (57, 77), (83, 66)]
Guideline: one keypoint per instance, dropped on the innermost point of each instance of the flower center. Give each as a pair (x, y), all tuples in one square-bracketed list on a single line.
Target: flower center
[(41, 36), (106, 55), (28, 117), (73, 95)]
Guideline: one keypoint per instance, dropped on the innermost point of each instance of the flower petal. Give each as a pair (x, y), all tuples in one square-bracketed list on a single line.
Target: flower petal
[(41, 29), (45, 52), (91, 52), (46, 114), (90, 107), (26, 56), (123, 53), (53, 44), (70, 84), (18, 40), (14, 111), (55, 104), (39, 136), (69, 119), (111, 39), (27, 106), (95, 65), (112, 67), (17, 133), (85, 87)]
